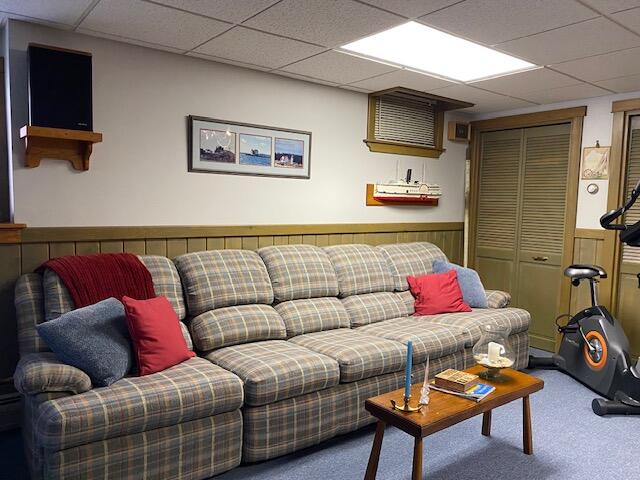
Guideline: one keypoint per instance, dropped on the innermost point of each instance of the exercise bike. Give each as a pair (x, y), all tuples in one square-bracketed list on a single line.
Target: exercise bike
[(594, 349)]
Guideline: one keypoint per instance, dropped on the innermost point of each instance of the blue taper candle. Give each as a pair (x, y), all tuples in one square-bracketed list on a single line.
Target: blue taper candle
[(407, 373)]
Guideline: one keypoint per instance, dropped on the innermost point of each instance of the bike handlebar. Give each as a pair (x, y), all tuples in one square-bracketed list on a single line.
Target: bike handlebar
[(606, 220)]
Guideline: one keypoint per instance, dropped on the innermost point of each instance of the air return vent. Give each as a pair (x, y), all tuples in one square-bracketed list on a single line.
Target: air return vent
[(408, 122)]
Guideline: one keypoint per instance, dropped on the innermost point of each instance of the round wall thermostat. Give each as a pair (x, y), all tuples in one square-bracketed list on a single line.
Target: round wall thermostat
[(592, 188)]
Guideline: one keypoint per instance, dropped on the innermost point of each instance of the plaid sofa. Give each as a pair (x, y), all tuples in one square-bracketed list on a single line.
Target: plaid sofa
[(182, 423), (291, 340)]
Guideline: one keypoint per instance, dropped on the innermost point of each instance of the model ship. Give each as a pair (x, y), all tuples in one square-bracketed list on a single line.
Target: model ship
[(406, 191)]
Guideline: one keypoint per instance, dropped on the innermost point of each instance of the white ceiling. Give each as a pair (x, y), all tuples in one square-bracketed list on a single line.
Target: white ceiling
[(586, 47)]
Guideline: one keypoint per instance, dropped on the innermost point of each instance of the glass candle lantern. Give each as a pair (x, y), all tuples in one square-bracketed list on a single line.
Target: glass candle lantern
[(493, 351)]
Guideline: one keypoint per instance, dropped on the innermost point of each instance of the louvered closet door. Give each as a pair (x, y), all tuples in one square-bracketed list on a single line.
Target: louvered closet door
[(542, 225), (497, 210), (628, 312)]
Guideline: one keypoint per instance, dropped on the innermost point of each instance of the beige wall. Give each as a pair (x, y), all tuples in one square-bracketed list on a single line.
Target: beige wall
[(597, 126), (138, 175)]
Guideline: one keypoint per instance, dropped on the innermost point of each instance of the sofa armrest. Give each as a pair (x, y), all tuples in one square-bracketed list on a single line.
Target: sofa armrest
[(498, 299), (43, 372)]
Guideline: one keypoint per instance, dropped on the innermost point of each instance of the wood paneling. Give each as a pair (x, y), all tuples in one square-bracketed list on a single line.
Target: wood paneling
[(40, 244)]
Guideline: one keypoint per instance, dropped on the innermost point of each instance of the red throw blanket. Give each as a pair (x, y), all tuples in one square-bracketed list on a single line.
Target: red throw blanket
[(92, 278)]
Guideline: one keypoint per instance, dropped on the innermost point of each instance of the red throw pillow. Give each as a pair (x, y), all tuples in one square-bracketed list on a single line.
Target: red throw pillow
[(437, 293), (156, 334)]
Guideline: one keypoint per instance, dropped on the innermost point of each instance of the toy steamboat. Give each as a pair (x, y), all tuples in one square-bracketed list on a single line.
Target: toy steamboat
[(406, 191)]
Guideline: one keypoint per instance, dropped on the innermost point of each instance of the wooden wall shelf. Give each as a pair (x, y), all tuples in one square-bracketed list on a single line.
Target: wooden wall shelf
[(372, 202), (58, 143)]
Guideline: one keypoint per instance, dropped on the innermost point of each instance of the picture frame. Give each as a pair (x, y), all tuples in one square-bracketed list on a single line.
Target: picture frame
[(595, 163), (228, 147)]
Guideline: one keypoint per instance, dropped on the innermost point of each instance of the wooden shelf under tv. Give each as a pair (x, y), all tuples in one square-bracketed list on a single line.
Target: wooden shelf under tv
[(372, 202), (59, 144)]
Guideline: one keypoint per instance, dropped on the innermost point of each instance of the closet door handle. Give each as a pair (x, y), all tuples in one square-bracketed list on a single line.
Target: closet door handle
[(540, 259)]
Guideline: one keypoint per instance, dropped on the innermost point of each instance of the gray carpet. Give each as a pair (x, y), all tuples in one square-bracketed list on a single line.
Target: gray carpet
[(570, 442)]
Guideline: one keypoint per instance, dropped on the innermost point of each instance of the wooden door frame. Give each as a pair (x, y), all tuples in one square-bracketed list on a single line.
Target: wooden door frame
[(574, 116), (622, 111)]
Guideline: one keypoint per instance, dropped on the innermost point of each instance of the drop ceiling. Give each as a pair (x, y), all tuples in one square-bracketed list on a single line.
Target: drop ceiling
[(586, 48)]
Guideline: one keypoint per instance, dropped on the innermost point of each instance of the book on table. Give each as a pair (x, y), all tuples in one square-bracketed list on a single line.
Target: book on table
[(455, 380), (477, 392)]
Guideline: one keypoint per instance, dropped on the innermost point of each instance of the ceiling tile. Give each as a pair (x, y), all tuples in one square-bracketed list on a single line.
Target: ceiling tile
[(629, 18), (622, 84), (563, 94), (356, 89), (329, 23), (227, 61), (498, 21), (304, 78), (59, 11), (130, 41), (411, 8), (402, 78), (338, 67), (249, 46), (602, 67), (519, 83), (584, 39), (484, 101), (228, 10), (152, 23), (611, 6)]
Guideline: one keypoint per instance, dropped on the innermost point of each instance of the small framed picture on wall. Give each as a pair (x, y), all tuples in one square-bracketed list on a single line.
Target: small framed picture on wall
[(221, 146)]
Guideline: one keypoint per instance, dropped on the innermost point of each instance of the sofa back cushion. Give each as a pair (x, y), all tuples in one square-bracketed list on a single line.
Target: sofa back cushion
[(299, 271), (413, 259), (228, 326), (374, 307), (223, 278), (360, 269), (312, 315), (166, 282)]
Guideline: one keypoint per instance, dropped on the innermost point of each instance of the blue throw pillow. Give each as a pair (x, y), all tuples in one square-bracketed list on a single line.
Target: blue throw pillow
[(94, 339), (473, 292)]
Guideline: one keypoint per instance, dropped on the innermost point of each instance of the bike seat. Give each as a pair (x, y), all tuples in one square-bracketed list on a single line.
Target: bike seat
[(579, 272)]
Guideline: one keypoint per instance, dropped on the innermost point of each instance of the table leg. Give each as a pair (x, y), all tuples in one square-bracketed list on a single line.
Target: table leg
[(527, 436), (372, 466), (417, 459), (486, 423)]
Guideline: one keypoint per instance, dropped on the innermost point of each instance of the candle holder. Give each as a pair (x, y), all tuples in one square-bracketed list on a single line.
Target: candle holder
[(405, 407), (493, 351)]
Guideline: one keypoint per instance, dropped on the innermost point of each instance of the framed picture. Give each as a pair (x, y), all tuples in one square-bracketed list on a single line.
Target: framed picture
[(595, 163), (221, 146)]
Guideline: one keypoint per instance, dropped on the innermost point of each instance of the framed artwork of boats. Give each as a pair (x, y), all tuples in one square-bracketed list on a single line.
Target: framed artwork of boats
[(221, 146)]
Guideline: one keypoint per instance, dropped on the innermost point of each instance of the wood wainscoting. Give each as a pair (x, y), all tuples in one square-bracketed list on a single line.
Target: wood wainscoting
[(40, 244)]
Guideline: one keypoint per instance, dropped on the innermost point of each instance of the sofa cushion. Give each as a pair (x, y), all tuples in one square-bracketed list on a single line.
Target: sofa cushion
[(407, 300), (43, 372), (166, 282), (312, 315), (275, 370), (410, 259), (228, 326), (29, 305), (359, 355), (374, 307), (360, 269), (223, 278), (299, 271), (191, 390), (429, 339), (515, 318), (94, 339)]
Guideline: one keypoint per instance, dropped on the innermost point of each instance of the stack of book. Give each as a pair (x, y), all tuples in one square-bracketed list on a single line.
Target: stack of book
[(462, 384)]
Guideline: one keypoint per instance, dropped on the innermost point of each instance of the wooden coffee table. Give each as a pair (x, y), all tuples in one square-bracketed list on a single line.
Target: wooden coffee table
[(445, 410)]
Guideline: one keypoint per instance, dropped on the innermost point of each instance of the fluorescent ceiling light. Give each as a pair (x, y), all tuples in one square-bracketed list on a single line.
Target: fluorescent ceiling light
[(428, 50)]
